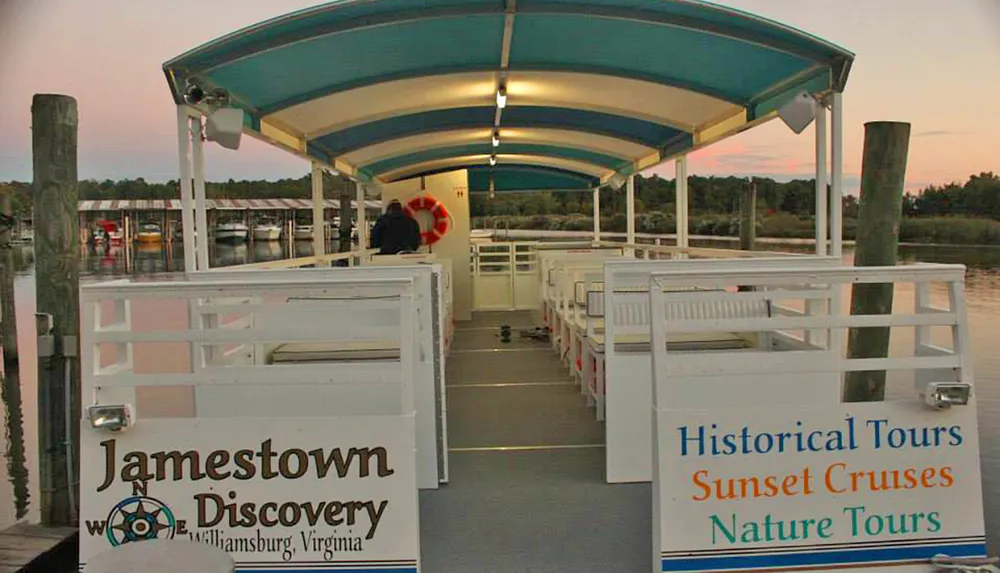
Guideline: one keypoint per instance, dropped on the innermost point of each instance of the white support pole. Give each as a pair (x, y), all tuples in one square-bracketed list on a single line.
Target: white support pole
[(837, 176), (838, 336), (362, 225), (200, 205), (319, 225), (187, 202), (681, 201), (821, 191), (597, 215), (822, 215), (630, 213)]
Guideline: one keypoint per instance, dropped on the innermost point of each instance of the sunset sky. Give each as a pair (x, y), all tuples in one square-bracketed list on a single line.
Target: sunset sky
[(933, 63)]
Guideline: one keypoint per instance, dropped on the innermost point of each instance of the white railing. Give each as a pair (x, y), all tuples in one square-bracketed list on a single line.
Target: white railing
[(656, 251), (196, 419), (505, 274), (625, 351), (353, 258), (108, 315), (790, 387), (802, 285)]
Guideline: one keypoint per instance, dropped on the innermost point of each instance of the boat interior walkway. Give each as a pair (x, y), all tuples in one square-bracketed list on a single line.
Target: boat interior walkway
[(526, 489)]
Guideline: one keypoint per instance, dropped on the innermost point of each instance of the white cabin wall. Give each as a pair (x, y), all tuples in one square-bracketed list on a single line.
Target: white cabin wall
[(452, 190)]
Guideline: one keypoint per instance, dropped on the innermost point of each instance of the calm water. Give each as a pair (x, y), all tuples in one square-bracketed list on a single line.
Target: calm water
[(19, 493)]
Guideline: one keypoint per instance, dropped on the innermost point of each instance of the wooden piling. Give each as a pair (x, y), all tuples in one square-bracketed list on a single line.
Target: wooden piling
[(8, 316), (748, 222), (57, 242), (883, 171), (748, 217), (346, 196)]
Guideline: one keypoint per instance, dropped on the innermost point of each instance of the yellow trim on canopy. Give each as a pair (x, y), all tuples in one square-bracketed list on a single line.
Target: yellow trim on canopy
[(483, 159)]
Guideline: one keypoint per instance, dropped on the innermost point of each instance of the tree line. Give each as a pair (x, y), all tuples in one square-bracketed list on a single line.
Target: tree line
[(978, 197)]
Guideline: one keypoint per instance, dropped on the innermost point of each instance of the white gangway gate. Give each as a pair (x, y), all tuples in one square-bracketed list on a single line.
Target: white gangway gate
[(291, 466), (748, 476)]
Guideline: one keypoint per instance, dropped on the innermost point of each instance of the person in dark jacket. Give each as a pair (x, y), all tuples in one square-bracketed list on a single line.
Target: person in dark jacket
[(395, 231)]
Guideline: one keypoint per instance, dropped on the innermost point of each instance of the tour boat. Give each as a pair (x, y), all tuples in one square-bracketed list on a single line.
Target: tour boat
[(305, 398)]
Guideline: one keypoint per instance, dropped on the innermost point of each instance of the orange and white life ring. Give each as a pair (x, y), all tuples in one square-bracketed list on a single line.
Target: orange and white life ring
[(438, 212)]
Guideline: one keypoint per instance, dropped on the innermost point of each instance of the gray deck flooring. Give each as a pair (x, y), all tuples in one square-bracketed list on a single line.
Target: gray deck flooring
[(545, 509)]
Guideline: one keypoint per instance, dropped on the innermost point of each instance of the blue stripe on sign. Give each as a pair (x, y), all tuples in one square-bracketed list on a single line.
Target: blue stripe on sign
[(820, 557)]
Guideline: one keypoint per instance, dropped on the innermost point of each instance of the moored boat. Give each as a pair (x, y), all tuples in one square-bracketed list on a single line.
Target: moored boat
[(149, 233), (266, 231), (303, 232), (232, 231), (107, 229)]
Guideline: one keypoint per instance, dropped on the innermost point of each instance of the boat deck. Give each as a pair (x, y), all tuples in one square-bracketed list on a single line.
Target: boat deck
[(526, 489)]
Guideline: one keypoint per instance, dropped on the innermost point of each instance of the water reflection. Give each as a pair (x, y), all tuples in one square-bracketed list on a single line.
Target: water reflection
[(158, 258), (18, 450), (17, 469)]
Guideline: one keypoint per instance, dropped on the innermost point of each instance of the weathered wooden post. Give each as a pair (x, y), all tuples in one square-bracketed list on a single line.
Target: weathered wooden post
[(57, 244), (748, 221), (346, 196), (748, 217), (883, 171), (7, 307), (16, 466)]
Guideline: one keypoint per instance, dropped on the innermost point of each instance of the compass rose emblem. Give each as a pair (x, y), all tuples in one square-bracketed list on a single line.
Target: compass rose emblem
[(140, 518)]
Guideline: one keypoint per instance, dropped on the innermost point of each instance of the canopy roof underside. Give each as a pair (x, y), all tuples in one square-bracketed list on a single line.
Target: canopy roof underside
[(384, 90)]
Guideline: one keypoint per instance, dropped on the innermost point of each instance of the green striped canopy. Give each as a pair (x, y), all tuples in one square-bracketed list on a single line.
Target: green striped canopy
[(385, 90)]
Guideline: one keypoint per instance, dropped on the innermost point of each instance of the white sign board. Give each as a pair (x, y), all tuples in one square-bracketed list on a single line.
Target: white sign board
[(309, 494), (804, 488)]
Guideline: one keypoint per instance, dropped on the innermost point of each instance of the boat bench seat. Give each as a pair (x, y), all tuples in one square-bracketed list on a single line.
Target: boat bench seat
[(335, 351), (694, 341)]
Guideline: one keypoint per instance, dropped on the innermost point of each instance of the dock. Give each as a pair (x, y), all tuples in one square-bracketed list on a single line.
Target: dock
[(527, 489), (32, 548)]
